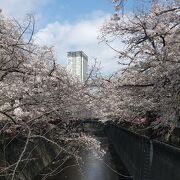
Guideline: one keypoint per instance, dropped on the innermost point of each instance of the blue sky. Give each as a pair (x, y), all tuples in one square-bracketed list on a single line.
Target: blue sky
[(73, 10), (70, 25)]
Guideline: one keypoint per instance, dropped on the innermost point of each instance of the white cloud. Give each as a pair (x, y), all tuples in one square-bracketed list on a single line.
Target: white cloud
[(19, 8), (81, 35)]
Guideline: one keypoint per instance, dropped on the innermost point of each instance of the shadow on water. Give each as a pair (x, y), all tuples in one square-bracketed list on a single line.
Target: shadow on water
[(70, 172)]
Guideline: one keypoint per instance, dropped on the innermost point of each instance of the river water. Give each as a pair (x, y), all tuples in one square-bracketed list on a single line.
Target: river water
[(92, 169)]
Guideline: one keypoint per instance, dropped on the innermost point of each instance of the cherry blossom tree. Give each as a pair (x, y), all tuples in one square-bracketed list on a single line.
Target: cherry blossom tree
[(150, 73), (38, 98)]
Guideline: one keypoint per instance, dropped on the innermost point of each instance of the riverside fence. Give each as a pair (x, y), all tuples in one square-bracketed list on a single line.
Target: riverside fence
[(144, 158)]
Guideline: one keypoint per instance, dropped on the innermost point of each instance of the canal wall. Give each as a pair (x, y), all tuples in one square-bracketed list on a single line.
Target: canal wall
[(144, 158), (38, 154)]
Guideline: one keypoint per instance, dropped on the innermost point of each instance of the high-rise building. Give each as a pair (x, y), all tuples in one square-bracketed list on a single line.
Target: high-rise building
[(78, 64)]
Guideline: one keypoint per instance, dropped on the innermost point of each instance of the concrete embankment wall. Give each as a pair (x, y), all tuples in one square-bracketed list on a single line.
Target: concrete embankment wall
[(145, 159), (38, 154)]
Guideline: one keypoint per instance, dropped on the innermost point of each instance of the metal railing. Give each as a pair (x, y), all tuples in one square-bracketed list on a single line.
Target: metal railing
[(144, 158)]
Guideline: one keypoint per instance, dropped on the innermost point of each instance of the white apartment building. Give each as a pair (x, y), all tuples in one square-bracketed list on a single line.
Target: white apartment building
[(78, 64)]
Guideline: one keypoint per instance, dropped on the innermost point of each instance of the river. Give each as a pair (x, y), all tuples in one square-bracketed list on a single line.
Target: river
[(92, 169)]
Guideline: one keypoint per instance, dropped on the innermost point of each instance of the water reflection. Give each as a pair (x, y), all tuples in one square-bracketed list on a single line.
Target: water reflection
[(71, 172), (97, 170), (92, 169)]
